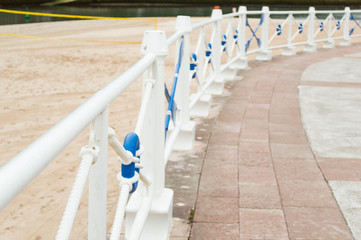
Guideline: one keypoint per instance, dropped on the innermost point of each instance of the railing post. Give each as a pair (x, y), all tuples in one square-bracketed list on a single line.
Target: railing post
[(330, 43), (242, 62), (98, 180), (158, 200), (311, 46), (185, 138), (216, 87), (265, 54), (290, 50), (346, 41)]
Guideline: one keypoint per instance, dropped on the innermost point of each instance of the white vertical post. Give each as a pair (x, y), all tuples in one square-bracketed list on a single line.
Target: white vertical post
[(330, 43), (98, 181), (242, 61), (311, 46), (157, 221), (290, 50), (216, 87), (346, 41), (185, 138), (201, 102), (265, 54)]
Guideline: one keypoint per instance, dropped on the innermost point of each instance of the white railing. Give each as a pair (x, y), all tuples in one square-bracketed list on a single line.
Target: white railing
[(215, 59)]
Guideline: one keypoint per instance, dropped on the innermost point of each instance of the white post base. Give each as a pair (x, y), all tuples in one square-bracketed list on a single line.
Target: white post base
[(329, 44), (215, 88), (289, 51), (310, 47), (265, 55), (229, 74), (185, 138), (202, 107), (240, 63), (159, 220), (345, 42)]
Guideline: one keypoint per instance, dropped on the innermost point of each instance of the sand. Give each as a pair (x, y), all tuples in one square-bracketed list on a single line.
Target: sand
[(42, 80)]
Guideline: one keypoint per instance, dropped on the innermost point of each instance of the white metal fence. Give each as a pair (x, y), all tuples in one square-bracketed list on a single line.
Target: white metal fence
[(215, 57)]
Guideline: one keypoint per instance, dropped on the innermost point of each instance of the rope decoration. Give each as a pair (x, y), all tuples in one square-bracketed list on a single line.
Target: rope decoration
[(224, 42), (357, 24), (235, 36), (209, 52), (193, 65), (279, 29), (300, 28), (338, 25), (171, 104), (254, 32), (321, 26), (130, 170)]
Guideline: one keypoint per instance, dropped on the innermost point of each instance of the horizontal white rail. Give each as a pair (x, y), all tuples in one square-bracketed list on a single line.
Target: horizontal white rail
[(24, 167), (202, 63)]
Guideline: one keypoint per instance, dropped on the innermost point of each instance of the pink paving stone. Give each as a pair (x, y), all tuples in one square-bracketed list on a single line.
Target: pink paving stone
[(291, 150), (316, 223), (282, 108), (252, 159), (285, 89), (262, 224), (216, 210), (256, 113), (260, 93), (262, 100), (252, 123), (259, 196), (340, 169), (221, 138), (286, 127), (257, 175), (254, 134), (253, 146), (219, 175), (283, 118), (218, 185), (288, 138), (236, 109), (264, 85), (301, 193), (216, 231), (229, 117), (287, 84), (298, 169)]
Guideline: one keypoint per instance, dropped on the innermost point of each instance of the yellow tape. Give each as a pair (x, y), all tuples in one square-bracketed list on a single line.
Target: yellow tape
[(78, 16), (61, 39)]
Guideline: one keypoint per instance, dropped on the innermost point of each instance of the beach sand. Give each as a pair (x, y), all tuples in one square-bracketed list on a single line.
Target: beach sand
[(43, 80)]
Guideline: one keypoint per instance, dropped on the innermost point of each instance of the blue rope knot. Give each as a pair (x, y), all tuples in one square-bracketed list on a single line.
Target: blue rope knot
[(321, 26), (193, 65), (235, 36), (279, 29), (131, 144), (209, 52), (224, 42), (338, 25), (300, 28)]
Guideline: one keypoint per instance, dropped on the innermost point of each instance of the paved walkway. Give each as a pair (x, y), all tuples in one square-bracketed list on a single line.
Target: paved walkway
[(261, 178)]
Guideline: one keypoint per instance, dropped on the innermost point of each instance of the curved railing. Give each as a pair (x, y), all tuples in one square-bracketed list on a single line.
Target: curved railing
[(222, 47)]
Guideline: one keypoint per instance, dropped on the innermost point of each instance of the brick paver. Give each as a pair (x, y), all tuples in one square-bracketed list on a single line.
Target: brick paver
[(260, 178)]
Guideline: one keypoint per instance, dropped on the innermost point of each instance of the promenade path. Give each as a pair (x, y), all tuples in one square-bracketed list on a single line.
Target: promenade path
[(279, 157)]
